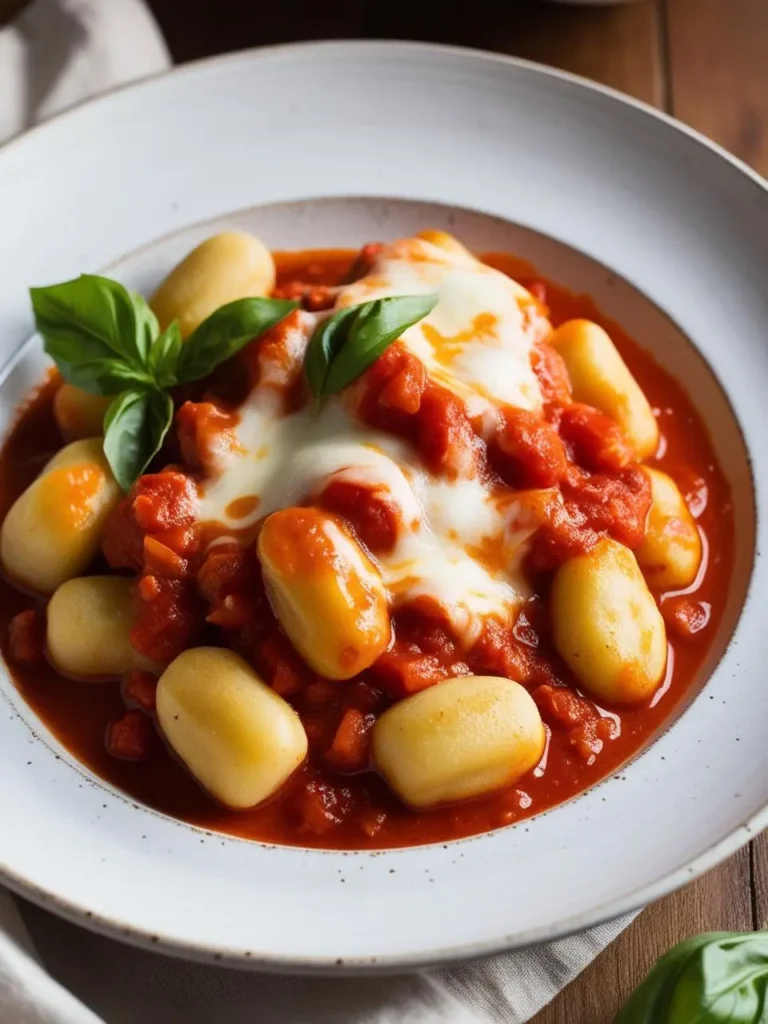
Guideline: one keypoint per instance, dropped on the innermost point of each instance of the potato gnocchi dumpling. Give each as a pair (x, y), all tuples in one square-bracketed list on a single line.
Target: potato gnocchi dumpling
[(88, 631), (606, 625), (601, 378), (52, 530), (670, 554), (325, 591), (461, 738), (78, 413), (235, 735), (229, 266)]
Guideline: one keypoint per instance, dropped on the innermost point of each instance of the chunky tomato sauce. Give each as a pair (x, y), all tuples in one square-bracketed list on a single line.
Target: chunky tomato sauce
[(334, 801)]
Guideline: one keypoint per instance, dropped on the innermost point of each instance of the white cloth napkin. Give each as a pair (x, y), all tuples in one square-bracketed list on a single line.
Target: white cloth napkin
[(56, 53), (127, 986)]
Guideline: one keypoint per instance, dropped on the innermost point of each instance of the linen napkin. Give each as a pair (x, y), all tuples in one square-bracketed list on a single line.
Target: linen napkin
[(56, 53)]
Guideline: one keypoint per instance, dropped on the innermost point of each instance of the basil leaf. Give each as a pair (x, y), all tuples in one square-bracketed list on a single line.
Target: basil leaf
[(97, 332), (346, 344), (326, 342), (134, 428), (226, 331), (164, 356), (100, 376), (714, 978), (146, 325)]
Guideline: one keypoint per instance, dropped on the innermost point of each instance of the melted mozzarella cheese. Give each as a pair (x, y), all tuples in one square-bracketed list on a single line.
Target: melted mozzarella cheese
[(458, 543), (443, 523), (477, 340), (283, 460)]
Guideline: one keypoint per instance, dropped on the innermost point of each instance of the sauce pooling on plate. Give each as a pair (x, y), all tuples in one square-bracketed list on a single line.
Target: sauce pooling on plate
[(438, 548)]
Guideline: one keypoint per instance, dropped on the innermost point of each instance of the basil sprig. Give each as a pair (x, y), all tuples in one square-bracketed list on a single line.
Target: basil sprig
[(347, 343), (714, 978), (106, 340), (97, 332)]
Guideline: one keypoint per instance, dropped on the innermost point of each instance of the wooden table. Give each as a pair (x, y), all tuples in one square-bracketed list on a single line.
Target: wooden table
[(706, 62)]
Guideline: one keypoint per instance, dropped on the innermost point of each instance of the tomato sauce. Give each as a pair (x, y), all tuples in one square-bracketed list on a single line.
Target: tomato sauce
[(332, 802)]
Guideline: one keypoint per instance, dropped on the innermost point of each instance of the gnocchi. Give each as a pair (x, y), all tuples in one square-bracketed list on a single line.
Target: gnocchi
[(88, 629), (78, 414), (325, 591), (601, 378), (670, 554), (236, 736), (461, 738), (52, 530), (229, 266), (606, 625)]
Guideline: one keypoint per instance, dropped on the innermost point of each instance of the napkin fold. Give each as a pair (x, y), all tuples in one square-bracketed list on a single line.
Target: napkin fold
[(57, 53), (125, 985)]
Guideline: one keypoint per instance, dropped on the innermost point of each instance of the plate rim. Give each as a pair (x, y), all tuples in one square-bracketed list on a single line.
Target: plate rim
[(256, 52), (686, 871)]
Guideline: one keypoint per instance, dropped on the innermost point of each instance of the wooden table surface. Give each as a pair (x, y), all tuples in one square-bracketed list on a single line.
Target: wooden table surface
[(706, 62)]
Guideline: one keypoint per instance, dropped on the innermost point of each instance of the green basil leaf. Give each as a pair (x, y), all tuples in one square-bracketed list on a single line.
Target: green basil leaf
[(97, 332), (346, 344), (146, 326), (134, 428), (326, 342), (226, 331), (101, 376), (164, 356), (714, 978)]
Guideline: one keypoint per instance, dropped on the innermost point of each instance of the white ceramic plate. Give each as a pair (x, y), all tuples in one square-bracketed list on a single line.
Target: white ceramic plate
[(574, 178)]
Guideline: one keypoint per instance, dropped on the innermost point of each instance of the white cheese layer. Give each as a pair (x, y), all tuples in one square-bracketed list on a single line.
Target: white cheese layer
[(455, 543), (477, 340), (443, 524)]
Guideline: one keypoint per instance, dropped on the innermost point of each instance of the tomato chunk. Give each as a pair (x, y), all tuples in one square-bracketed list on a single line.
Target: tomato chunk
[(280, 665), (598, 442), (618, 505), (161, 504), (128, 738), (686, 617), (349, 750), (140, 687), (372, 512), (26, 637), (205, 431), (322, 806), (552, 375), (528, 452), (166, 619)]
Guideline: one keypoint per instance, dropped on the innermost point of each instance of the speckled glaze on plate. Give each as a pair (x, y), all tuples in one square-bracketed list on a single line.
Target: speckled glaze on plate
[(577, 180)]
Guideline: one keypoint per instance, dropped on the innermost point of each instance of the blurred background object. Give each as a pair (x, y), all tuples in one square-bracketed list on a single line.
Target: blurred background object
[(55, 53), (594, 3)]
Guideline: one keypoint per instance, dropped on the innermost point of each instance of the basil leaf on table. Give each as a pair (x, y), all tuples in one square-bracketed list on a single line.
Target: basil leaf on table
[(714, 978), (97, 332), (347, 343), (226, 331), (134, 429)]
